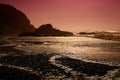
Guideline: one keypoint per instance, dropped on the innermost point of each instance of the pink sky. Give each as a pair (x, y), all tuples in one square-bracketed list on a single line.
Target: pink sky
[(71, 15)]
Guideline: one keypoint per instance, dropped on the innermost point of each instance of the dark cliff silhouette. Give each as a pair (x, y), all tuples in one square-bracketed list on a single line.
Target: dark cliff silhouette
[(47, 30), (13, 21)]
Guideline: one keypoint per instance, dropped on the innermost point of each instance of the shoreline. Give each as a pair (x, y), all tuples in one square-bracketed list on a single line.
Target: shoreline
[(47, 70), (16, 64), (8, 72)]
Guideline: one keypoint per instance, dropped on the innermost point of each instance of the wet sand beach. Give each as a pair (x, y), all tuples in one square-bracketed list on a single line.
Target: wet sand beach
[(18, 64)]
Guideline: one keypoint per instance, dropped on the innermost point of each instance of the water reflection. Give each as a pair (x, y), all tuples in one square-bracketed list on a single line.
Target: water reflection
[(78, 47)]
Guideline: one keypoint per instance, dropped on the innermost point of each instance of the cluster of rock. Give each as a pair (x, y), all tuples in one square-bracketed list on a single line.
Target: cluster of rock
[(107, 36), (47, 30), (13, 23)]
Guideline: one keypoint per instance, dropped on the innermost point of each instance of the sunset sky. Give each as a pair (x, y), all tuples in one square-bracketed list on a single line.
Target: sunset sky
[(71, 15)]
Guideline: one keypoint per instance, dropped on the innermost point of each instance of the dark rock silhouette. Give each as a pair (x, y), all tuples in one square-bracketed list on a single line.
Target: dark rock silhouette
[(13, 21), (47, 30), (86, 33)]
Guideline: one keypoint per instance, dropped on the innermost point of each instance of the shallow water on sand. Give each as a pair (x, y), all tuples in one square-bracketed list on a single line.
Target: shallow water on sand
[(79, 58), (88, 49)]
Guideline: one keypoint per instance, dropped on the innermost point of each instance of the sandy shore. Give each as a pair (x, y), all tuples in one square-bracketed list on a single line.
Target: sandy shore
[(46, 70), (16, 65), (9, 72)]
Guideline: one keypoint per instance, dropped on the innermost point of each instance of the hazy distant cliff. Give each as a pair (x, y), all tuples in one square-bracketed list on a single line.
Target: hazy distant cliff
[(13, 21), (47, 30)]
